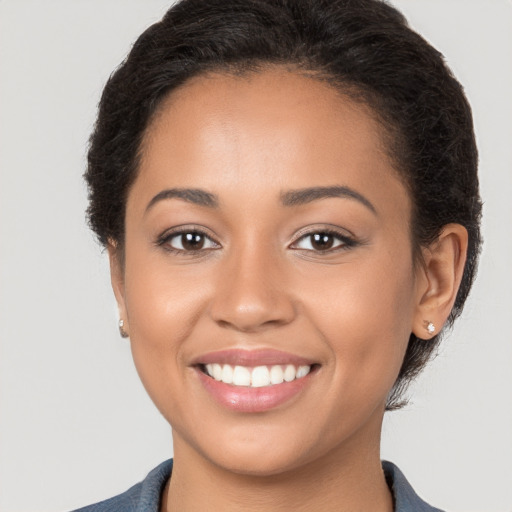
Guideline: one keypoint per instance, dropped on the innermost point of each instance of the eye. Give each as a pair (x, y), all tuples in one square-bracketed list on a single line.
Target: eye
[(188, 241), (323, 241)]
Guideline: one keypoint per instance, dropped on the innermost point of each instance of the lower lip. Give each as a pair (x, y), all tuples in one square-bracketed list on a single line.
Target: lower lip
[(246, 399)]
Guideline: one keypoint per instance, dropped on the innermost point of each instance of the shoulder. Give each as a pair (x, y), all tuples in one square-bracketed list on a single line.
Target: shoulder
[(406, 500), (142, 497)]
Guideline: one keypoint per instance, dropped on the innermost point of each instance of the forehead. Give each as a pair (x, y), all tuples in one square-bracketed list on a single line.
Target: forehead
[(260, 131), (276, 98)]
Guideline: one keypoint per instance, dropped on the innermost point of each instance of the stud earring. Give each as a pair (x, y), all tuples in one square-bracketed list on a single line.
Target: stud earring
[(431, 328), (122, 332)]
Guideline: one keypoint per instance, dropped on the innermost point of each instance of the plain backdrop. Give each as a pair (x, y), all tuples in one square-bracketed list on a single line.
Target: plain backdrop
[(75, 424)]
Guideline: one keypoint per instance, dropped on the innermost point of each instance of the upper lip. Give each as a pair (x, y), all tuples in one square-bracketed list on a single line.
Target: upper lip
[(255, 357)]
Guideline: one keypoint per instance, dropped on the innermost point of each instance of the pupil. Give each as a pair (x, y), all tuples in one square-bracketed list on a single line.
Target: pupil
[(192, 241), (322, 241)]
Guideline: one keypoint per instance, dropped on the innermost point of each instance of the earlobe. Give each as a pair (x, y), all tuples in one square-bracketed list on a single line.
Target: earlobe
[(442, 269), (117, 280)]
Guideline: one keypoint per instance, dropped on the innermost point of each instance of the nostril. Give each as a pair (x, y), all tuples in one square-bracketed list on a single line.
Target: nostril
[(250, 326), (251, 313)]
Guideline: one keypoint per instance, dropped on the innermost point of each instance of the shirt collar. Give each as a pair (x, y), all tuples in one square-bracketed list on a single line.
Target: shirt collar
[(405, 499)]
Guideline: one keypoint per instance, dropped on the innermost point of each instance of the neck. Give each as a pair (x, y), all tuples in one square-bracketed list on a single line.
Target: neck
[(349, 478)]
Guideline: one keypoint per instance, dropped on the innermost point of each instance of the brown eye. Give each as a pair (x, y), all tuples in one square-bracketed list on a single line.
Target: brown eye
[(190, 241), (323, 241)]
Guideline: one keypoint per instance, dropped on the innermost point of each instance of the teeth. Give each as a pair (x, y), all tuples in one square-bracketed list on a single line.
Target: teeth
[(227, 374), (257, 377), (303, 371), (241, 376), (276, 375), (289, 373), (260, 377), (217, 371)]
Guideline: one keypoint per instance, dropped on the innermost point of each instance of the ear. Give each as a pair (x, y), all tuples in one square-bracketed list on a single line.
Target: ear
[(438, 280), (117, 280)]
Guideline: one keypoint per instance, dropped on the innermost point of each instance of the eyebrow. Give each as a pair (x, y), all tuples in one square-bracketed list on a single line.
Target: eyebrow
[(288, 198), (307, 195), (191, 195)]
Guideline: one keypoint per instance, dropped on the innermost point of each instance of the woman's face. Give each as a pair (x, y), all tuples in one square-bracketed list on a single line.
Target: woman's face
[(267, 236)]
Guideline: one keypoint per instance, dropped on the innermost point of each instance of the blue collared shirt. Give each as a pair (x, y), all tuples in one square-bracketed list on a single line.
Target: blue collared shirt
[(145, 496)]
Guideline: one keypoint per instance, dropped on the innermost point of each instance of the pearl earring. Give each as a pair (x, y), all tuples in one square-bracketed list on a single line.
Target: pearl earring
[(122, 332)]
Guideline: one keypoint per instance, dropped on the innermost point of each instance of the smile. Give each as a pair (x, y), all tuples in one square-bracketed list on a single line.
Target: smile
[(256, 377), (254, 381)]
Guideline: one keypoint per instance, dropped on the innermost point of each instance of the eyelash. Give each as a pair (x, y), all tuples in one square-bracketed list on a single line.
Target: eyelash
[(164, 240), (347, 242)]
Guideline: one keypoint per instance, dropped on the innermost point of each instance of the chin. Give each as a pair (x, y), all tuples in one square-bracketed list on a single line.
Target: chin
[(259, 464)]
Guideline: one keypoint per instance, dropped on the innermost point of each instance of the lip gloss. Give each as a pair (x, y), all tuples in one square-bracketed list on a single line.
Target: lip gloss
[(246, 398), (252, 400)]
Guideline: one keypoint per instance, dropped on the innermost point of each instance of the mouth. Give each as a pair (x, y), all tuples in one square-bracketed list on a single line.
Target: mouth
[(257, 376), (252, 381)]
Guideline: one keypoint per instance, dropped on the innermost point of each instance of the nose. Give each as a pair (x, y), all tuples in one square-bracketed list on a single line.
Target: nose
[(251, 293)]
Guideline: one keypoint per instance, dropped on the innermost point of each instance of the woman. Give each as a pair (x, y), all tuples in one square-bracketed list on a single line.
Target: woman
[(288, 195)]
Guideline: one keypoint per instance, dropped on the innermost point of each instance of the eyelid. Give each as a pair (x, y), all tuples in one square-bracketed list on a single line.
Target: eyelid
[(168, 234), (346, 237)]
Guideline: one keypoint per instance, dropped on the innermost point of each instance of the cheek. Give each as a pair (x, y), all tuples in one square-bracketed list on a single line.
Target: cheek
[(364, 313), (163, 306), (162, 300)]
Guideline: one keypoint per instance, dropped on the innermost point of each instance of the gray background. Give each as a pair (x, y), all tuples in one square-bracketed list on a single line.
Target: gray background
[(75, 423)]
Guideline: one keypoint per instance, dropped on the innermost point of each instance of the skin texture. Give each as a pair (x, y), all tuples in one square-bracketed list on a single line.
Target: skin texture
[(259, 283)]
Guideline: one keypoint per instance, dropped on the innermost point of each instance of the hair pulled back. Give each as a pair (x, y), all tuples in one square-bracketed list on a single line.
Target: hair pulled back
[(364, 48)]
